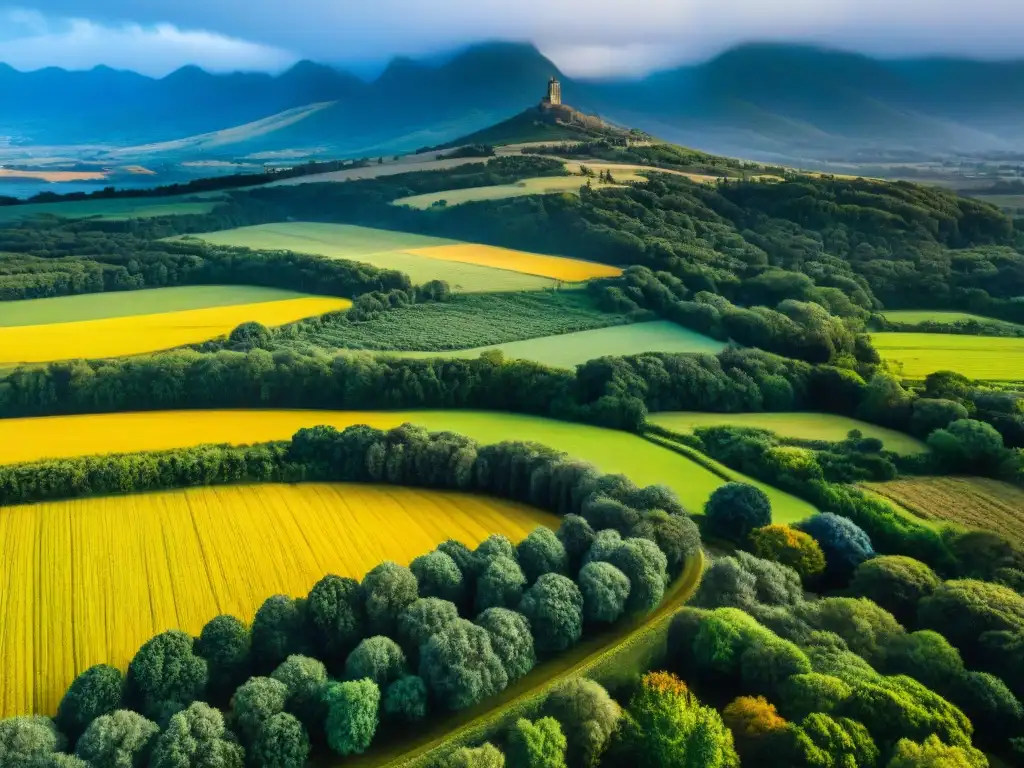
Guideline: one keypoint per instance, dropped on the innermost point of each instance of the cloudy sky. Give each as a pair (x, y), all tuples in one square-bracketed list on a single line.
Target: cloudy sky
[(584, 37)]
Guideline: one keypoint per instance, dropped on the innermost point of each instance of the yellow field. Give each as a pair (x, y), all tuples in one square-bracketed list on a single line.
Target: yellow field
[(556, 267), (977, 357), (90, 580), (133, 335)]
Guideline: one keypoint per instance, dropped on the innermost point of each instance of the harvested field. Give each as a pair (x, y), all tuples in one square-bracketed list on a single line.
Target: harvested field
[(803, 426), (544, 185), (88, 581), (117, 336), (974, 502), (977, 357), (556, 267)]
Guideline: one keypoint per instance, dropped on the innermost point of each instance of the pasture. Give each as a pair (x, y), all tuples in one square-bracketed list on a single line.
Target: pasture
[(135, 334), (612, 451), (974, 502), (914, 316), (544, 185), (467, 267), (571, 349), (803, 426), (977, 357), (113, 210), (115, 571)]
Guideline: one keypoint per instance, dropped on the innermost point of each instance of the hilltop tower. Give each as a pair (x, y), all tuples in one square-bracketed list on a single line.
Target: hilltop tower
[(554, 97)]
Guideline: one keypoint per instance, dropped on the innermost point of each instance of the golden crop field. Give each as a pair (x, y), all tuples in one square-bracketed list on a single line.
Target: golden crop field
[(113, 337), (88, 581), (976, 502), (556, 267), (977, 357)]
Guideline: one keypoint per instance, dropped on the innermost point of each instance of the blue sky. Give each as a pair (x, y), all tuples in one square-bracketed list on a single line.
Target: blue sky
[(584, 37)]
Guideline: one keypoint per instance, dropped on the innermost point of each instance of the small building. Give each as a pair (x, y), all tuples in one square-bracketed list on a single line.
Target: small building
[(554, 97)]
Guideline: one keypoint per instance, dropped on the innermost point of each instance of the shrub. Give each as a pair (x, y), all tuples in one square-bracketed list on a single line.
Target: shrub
[(460, 667), (605, 543), (95, 692), (377, 658), (554, 608), (769, 662), (790, 547), (165, 676), (305, 679), (677, 536), (254, 703), (735, 510), (842, 741), (761, 736), (226, 645), (539, 744), (352, 716), (122, 738), (927, 657), (282, 742), (963, 610), (968, 446), (406, 699), (423, 618), (278, 631), (577, 537), (197, 736), (588, 716), (932, 753), (387, 590), (645, 567), (484, 756), (896, 583), (335, 612), (495, 545), (868, 629), (26, 738), (251, 335), (511, 639), (844, 543), (931, 414), (987, 701), (462, 556), (800, 695), (500, 584), (605, 590), (439, 576), (541, 552)]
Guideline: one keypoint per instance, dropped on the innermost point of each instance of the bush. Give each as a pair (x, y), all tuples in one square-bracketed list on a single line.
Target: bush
[(423, 618), (278, 631), (95, 692), (282, 742), (251, 335), (254, 703), (735, 510), (26, 738), (462, 556), (844, 543), (605, 543), (746, 582), (842, 741), (645, 567), (439, 576), (511, 639), (761, 736), (378, 658), (197, 736), (485, 756), (968, 446), (539, 744), (541, 552), (588, 716), (122, 738), (225, 644), (931, 414), (963, 610), (790, 547), (387, 590), (677, 536), (577, 537), (405, 700), (896, 583), (460, 667), (803, 694), (335, 610), (868, 629), (605, 590), (500, 584), (305, 679), (495, 545), (932, 753), (927, 657), (554, 608), (769, 662), (165, 676), (352, 716)]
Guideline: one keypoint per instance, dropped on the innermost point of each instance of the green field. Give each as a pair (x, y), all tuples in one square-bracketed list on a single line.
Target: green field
[(572, 349), (913, 316), (544, 185), (977, 357), (804, 426), (468, 320), (381, 248), (99, 306), (114, 210)]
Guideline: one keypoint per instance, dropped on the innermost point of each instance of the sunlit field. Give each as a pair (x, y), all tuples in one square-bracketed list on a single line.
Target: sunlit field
[(977, 357)]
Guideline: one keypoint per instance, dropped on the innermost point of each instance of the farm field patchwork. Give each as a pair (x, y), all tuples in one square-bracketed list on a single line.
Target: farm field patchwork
[(116, 336), (803, 426), (467, 267), (976, 502), (23, 440), (571, 349), (114, 210), (977, 357), (88, 581)]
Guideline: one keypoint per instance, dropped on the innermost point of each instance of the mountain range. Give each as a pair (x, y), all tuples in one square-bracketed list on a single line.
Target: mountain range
[(759, 100)]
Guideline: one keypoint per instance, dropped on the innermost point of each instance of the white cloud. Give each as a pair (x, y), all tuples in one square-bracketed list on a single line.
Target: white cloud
[(33, 41)]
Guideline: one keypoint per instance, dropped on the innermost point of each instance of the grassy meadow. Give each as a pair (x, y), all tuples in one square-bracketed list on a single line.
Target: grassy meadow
[(572, 349), (974, 502), (119, 570), (977, 357), (138, 333), (29, 439), (467, 267), (119, 209), (543, 185), (803, 426)]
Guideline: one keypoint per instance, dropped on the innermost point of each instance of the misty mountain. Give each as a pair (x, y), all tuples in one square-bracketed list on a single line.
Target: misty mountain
[(762, 100)]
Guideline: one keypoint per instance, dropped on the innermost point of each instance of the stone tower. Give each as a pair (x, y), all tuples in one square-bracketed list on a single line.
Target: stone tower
[(554, 97)]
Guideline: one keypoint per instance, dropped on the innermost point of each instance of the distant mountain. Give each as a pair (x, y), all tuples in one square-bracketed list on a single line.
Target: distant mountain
[(763, 100)]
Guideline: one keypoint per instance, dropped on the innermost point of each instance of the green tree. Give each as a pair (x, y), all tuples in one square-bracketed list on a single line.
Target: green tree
[(439, 576), (896, 583), (577, 537), (511, 639), (885, 401), (335, 611), (495, 545), (554, 608), (500, 584), (931, 414), (95, 692), (251, 335), (962, 610), (197, 736), (28, 737), (588, 716), (254, 703), (387, 590), (352, 716), (605, 543), (122, 739), (932, 753), (423, 618), (282, 742), (927, 657), (539, 744), (306, 680), (789, 547), (645, 566), (225, 644), (165, 676), (460, 667), (676, 535), (377, 658), (605, 591), (812, 692), (846, 742), (485, 756), (868, 629), (405, 699), (968, 446), (463, 557), (541, 552), (278, 631), (735, 509)]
